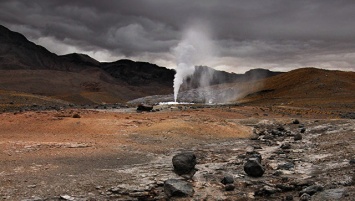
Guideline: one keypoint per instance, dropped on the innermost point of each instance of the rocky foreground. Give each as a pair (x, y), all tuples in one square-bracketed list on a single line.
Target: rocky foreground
[(283, 158)]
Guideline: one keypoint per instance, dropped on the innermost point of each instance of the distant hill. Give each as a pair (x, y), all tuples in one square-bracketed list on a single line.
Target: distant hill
[(305, 86), (78, 78)]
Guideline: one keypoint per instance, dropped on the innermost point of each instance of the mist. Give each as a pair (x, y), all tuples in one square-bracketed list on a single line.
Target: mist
[(195, 48)]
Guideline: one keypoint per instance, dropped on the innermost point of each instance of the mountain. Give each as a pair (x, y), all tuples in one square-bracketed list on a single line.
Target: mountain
[(78, 78), (305, 87), (16, 52)]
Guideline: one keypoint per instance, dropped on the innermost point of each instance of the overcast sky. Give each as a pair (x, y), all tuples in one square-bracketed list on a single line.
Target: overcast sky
[(273, 34)]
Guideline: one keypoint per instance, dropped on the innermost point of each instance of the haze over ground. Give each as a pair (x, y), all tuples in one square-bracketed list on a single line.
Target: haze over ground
[(273, 34)]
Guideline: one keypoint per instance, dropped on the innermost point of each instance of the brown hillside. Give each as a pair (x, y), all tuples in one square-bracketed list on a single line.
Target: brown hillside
[(305, 87)]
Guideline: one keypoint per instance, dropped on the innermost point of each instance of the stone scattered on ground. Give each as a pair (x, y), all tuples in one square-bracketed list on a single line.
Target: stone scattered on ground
[(178, 188), (253, 168), (144, 107), (184, 163)]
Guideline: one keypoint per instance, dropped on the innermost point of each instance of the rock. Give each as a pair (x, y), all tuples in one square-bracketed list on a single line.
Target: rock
[(67, 197), (285, 146), (144, 107), (330, 194), (33, 198), (311, 190), (184, 163), (288, 198), (352, 162), (253, 168), (305, 197), (178, 188), (228, 179), (76, 116), (297, 137), (303, 130), (285, 187), (255, 155), (286, 166), (229, 187), (265, 191), (296, 121)]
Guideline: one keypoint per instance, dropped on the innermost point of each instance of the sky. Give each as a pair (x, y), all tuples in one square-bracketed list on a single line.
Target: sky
[(279, 35)]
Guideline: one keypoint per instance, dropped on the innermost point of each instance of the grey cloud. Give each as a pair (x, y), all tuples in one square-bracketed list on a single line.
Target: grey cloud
[(266, 33)]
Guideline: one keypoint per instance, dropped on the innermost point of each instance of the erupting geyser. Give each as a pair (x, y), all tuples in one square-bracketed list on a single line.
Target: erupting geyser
[(195, 48)]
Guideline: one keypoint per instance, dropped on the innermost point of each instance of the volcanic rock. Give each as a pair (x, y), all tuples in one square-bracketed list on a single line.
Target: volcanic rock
[(228, 179), (184, 163), (265, 191), (229, 187), (311, 190), (296, 121), (76, 116), (178, 188), (305, 197), (286, 146), (253, 168), (297, 137), (303, 130), (144, 107)]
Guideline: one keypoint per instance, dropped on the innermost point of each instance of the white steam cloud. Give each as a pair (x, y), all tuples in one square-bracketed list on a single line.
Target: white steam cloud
[(195, 48)]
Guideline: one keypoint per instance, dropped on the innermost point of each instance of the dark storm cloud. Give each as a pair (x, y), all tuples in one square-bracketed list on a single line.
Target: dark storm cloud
[(267, 33)]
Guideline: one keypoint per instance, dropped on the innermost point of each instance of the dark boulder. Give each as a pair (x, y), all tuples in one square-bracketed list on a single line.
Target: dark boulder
[(178, 188), (228, 179), (229, 187), (184, 163), (253, 168), (297, 137), (144, 107), (296, 121)]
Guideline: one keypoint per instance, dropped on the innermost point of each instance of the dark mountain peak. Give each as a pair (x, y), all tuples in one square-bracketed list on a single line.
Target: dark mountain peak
[(6, 35), (139, 73), (81, 59)]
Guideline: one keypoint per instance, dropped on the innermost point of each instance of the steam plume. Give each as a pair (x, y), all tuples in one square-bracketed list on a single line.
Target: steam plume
[(194, 48)]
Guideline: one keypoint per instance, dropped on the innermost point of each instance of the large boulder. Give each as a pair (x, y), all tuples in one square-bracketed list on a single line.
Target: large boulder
[(184, 163), (178, 188), (144, 107), (253, 168)]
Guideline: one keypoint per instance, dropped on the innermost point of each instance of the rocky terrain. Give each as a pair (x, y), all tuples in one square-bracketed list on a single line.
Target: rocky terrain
[(119, 154)]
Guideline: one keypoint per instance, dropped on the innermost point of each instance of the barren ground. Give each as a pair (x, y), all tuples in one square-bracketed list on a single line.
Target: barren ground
[(124, 155)]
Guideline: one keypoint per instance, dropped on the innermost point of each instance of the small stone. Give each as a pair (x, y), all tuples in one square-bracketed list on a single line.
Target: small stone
[(178, 188), (297, 137), (286, 166), (67, 197), (265, 191), (311, 190), (288, 198), (352, 162), (228, 179), (296, 121), (305, 197), (285, 146), (253, 168), (303, 130), (76, 116), (229, 187)]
